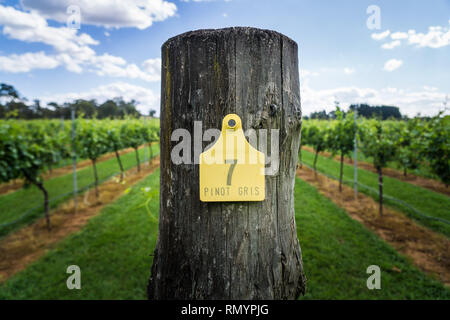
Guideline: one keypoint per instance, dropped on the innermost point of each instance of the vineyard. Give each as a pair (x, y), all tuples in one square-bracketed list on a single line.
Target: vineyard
[(32, 150), (415, 146), (396, 220)]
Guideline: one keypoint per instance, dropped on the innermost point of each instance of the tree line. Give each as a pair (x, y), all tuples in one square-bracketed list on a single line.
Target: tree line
[(13, 105), (364, 110)]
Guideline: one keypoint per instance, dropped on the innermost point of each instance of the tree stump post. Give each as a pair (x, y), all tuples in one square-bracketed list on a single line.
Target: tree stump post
[(228, 250)]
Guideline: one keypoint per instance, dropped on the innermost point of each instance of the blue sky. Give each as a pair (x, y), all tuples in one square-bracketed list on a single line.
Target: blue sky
[(116, 51)]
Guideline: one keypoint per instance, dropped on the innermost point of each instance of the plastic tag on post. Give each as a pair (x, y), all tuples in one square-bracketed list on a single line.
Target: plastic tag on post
[(232, 170)]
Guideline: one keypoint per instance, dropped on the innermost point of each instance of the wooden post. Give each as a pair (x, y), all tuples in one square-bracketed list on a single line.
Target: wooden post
[(228, 250), (74, 160)]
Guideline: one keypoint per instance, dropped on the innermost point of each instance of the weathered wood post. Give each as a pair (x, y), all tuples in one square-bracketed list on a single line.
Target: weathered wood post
[(228, 250)]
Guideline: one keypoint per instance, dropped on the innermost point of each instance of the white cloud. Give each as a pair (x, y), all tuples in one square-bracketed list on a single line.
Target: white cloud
[(428, 88), (399, 35), (145, 98), (391, 45), (410, 102), (111, 14), (71, 49), (153, 67), (308, 73), (435, 37), (30, 27), (108, 65), (381, 35), (349, 70), (25, 62), (428, 101), (392, 65)]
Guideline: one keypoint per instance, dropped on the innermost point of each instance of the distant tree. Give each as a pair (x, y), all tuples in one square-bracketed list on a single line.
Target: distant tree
[(321, 115), (380, 112), (108, 109), (13, 105), (8, 91), (152, 113)]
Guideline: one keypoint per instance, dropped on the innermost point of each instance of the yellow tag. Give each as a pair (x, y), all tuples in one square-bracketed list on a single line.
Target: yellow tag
[(232, 170)]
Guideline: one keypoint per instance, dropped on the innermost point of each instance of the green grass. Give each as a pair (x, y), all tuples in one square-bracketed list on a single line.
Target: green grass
[(337, 251), (113, 252), (29, 201), (422, 171), (431, 203)]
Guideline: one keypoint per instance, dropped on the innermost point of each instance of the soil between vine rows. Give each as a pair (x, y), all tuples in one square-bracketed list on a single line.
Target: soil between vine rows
[(26, 245), (427, 250)]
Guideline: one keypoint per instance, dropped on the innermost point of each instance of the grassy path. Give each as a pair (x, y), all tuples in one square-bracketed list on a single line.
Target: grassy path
[(113, 252), (24, 205), (430, 203), (428, 250)]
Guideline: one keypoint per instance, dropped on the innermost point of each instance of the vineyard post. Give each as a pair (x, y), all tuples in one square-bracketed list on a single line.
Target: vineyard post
[(356, 154), (228, 250), (62, 129), (145, 150), (74, 159)]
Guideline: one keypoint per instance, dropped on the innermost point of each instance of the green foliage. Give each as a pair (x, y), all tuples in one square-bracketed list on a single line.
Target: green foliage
[(315, 136), (113, 138), (132, 133), (431, 203), (437, 147), (342, 133), (91, 141), (59, 188), (410, 150), (26, 151), (120, 239), (150, 133), (378, 142)]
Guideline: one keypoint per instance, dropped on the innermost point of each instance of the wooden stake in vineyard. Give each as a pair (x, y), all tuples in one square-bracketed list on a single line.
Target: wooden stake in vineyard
[(228, 250)]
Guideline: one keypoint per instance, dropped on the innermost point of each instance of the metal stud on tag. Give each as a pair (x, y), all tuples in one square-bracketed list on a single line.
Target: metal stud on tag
[(232, 170)]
